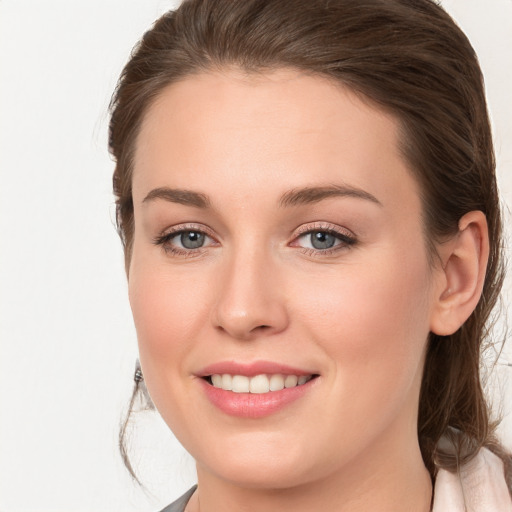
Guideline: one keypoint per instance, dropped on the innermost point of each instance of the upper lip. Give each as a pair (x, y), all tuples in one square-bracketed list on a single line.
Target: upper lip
[(251, 369)]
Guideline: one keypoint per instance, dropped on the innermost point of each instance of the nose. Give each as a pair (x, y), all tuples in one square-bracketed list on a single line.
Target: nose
[(250, 299)]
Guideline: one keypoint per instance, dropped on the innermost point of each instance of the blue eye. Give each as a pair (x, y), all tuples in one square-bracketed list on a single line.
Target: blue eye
[(184, 241), (322, 240), (191, 239)]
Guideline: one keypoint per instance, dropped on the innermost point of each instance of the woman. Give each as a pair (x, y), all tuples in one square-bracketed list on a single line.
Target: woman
[(308, 206)]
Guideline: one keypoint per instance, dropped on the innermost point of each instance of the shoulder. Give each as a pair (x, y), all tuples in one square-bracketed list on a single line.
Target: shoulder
[(180, 504), (479, 486)]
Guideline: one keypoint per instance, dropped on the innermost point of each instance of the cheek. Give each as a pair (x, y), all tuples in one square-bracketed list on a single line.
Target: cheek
[(373, 320), (165, 309), (165, 299), (159, 310), (373, 325)]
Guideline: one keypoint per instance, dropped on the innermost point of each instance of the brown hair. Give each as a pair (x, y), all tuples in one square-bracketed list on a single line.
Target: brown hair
[(409, 58)]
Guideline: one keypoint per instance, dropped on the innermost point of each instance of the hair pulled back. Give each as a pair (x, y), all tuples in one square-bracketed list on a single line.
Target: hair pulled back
[(405, 56)]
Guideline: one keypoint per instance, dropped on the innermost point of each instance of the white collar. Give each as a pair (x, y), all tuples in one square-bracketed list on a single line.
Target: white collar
[(478, 487)]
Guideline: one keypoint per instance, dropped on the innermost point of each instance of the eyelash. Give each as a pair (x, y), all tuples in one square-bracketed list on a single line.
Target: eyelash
[(345, 238), (165, 240)]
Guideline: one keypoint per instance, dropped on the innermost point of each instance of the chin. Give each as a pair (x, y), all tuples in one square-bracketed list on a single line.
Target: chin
[(259, 464), (256, 475)]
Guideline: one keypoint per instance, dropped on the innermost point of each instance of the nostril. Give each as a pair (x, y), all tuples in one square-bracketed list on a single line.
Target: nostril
[(262, 327)]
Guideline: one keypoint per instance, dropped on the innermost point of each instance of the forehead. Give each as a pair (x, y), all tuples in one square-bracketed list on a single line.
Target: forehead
[(285, 126)]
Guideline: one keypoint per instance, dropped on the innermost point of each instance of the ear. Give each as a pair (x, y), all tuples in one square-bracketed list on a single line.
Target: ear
[(461, 276)]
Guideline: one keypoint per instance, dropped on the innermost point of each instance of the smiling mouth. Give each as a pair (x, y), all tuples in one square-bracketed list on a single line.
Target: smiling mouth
[(259, 384)]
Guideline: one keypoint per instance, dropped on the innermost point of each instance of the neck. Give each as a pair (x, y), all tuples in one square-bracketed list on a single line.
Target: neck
[(389, 477)]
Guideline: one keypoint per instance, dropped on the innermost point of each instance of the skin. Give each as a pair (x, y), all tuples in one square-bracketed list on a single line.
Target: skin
[(358, 316)]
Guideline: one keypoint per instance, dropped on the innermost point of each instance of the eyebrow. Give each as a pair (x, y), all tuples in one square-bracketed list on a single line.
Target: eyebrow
[(180, 196), (295, 197), (308, 195)]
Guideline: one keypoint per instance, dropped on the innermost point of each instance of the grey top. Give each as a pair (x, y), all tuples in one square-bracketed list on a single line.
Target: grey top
[(180, 504)]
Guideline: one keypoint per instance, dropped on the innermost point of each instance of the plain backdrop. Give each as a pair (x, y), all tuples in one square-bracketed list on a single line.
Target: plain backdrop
[(67, 342)]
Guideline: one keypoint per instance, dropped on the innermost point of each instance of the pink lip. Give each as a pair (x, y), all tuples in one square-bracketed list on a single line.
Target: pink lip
[(253, 405), (251, 369)]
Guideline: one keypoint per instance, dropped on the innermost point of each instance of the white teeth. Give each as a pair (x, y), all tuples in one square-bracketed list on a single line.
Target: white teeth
[(259, 384), (291, 381), (217, 380), (227, 382), (276, 382), (240, 384)]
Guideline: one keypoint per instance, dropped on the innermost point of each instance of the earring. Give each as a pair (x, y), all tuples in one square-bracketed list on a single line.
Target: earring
[(138, 377)]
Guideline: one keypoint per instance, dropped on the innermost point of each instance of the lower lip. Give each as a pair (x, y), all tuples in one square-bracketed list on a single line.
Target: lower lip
[(254, 405)]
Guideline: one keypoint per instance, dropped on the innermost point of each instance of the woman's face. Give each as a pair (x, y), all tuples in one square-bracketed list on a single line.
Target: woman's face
[(278, 235)]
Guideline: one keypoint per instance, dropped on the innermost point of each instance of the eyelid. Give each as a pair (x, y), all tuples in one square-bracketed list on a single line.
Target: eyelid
[(164, 238), (324, 226), (346, 238), (188, 226)]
